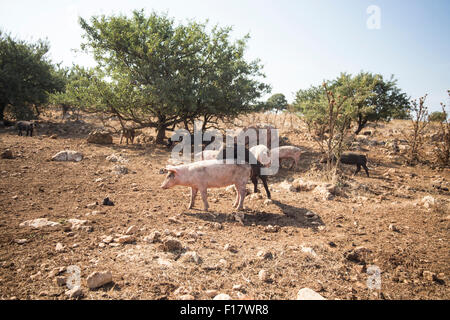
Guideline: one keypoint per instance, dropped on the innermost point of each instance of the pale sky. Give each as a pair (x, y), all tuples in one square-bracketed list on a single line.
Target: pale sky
[(300, 43)]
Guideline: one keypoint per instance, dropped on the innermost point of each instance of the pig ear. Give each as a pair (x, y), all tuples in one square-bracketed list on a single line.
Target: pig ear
[(171, 169)]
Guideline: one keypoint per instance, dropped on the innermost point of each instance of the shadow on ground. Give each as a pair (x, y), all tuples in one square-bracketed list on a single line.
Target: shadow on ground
[(292, 217)]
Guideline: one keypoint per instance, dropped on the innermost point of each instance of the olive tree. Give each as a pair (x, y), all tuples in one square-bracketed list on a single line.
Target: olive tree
[(159, 74), (27, 76)]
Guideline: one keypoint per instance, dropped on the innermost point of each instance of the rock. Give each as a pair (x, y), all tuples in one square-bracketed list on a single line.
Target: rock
[(91, 205), (107, 202), (7, 154), (230, 189), (39, 223), (180, 291), (428, 202), (428, 275), (155, 236), (393, 228), (115, 158), (107, 239), (324, 191), (54, 136), (238, 287), (56, 271), (96, 212), (36, 275), (98, 279), (211, 293), (74, 293), (164, 263), (308, 294), (268, 201), (79, 225), (361, 138), (288, 186), (222, 296), (60, 281), (100, 137), (357, 255), (186, 297), (231, 248), (265, 255), (118, 169), (173, 220), (309, 251), (310, 215), (68, 155), (255, 196), (301, 185), (59, 247), (191, 256), (43, 293), (172, 245), (21, 241), (217, 226), (125, 239), (263, 276), (271, 229), (131, 230)]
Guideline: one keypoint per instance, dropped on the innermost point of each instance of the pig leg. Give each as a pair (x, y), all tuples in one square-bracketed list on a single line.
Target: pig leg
[(241, 190), (236, 202), (358, 168), (366, 169), (264, 181), (296, 162), (193, 194), (293, 163), (205, 199), (255, 183)]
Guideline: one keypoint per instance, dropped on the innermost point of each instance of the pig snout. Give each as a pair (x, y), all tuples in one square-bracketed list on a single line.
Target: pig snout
[(264, 158), (169, 181)]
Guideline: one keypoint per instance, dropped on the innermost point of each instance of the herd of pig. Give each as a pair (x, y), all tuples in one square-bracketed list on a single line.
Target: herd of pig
[(225, 167), (215, 170)]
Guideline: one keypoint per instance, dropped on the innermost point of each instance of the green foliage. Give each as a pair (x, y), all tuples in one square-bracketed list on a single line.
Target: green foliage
[(277, 102), (437, 116), (26, 76), (371, 98), (158, 74)]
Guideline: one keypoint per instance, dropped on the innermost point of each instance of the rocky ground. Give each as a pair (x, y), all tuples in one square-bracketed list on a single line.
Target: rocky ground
[(333, 239)]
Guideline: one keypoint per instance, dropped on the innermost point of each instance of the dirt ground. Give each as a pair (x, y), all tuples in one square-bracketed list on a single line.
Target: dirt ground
[(378, 221)]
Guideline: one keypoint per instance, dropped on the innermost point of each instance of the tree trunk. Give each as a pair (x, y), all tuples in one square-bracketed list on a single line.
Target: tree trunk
[(38, 113), (2, 110), (161, 134), (361, 125)]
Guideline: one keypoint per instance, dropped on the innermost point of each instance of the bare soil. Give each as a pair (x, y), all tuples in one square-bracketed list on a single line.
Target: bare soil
[(361, 214)]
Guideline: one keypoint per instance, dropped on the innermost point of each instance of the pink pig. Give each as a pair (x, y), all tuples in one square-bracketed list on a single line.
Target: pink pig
[(208, 154), (206, 174), (261, 153), (288, 152)]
